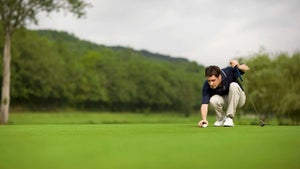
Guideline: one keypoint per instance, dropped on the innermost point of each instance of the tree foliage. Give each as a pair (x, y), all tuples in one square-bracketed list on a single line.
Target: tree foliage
[(51, 72), (273, 85), (15, 14)]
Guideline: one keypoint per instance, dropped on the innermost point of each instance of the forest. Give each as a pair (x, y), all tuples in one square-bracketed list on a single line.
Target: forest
[(53, 70)]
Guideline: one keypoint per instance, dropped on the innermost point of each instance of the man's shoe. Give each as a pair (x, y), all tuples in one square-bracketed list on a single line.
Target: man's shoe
[(219, 123), (228, 122)]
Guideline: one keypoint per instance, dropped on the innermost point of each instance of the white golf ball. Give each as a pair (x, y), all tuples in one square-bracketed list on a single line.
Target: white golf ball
[(204, 125)]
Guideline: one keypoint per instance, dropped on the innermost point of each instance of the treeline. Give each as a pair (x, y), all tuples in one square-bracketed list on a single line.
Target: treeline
[(55, 70), (273, 85)]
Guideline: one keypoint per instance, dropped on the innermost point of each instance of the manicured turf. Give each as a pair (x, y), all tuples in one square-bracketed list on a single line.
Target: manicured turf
[(148, 146)]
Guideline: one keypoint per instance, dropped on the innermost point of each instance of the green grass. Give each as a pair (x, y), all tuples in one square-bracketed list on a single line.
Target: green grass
[(155, 143), (99, 118), (115, 118)]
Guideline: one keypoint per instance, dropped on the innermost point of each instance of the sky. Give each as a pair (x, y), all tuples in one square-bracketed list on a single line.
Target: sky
[(209, 32)]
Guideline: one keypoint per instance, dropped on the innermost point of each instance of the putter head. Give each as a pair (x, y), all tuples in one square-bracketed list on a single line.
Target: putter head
[(262, 124)]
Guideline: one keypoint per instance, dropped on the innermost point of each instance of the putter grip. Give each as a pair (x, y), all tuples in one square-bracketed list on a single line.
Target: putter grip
[(238, 73)]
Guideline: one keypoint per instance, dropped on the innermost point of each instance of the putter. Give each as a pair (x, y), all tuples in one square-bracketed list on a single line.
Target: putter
[(261, 122)]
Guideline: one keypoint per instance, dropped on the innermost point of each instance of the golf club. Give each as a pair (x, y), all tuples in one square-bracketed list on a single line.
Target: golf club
[(261, 122)]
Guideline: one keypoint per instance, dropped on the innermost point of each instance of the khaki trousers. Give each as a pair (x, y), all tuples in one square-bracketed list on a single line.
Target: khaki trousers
[(236, 98)]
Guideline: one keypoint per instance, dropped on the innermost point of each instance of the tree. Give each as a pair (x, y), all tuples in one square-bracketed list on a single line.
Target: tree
[(15, 14), (273, 85)]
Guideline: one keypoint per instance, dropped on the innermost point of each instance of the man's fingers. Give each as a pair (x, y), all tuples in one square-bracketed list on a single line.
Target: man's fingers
[(202, 122)]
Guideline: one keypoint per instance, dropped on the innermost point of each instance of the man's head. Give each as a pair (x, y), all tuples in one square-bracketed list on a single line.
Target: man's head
[(213, 76)]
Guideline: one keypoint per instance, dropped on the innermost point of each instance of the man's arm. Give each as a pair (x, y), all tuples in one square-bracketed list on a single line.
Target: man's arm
[(203, 110), (243, 67)]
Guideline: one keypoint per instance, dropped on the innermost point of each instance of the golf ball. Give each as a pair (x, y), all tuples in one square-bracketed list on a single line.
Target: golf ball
[(204, 125)]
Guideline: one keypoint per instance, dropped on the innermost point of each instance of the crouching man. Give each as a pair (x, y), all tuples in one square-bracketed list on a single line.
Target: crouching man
[(223, 92)]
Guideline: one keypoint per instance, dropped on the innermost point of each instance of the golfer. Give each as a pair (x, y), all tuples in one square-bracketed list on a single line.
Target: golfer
[(223, 93)]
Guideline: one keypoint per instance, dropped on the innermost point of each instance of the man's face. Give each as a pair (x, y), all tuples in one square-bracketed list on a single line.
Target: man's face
[(214, 81)]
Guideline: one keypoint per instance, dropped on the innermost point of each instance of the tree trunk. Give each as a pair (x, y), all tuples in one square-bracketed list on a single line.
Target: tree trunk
[(5, 99)]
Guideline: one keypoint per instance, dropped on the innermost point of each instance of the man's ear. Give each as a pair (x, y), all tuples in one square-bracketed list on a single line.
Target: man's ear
[(220, 77)]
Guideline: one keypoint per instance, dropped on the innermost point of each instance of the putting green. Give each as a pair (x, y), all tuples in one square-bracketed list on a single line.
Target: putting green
[(143, 146)]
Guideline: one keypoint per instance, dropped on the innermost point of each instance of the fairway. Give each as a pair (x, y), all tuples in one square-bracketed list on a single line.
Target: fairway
[(145, 146)]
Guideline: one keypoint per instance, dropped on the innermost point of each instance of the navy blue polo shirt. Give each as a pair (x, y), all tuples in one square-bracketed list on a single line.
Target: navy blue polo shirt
[(229, 75)]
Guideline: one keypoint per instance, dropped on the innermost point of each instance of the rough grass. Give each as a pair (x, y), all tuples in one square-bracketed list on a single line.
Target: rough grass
[(160, 145)]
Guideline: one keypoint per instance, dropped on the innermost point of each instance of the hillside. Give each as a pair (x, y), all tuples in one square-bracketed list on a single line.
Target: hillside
[(65, 36), (54, 70)]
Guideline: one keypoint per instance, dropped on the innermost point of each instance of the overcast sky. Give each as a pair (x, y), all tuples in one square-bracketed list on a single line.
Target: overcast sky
[(206, 31)]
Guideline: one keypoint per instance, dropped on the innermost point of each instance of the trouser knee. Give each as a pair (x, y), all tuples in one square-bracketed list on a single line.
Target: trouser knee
[(234, 86), (216, 100)]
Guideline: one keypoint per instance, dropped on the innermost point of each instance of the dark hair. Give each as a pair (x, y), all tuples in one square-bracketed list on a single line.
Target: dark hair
[(212, 70)]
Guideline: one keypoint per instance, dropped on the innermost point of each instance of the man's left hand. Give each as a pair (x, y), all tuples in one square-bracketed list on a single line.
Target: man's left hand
[(233, 63)]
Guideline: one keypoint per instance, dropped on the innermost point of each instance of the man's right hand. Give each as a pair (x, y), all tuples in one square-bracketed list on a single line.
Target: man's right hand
[(200, 124)]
